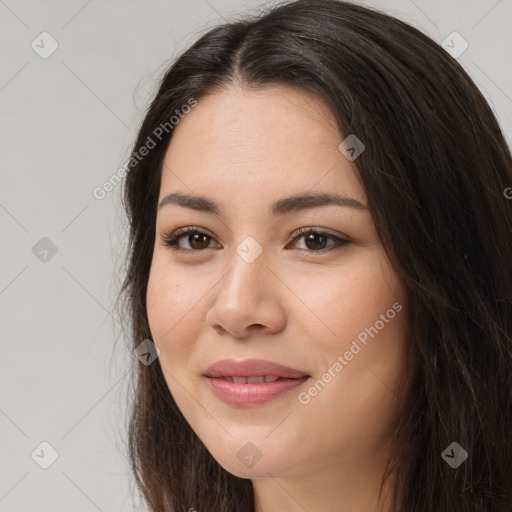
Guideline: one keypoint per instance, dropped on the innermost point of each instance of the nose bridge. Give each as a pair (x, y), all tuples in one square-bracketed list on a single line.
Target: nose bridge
[(247, 279), (246, 295)]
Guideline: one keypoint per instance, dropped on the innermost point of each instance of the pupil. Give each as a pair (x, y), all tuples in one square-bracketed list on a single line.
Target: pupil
[(311, 237), (194, 238)]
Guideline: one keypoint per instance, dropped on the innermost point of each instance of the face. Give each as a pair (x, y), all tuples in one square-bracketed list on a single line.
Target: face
[(247, 283)]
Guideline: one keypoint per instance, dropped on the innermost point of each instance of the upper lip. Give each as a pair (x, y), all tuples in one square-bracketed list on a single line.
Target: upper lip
[(251, 368)]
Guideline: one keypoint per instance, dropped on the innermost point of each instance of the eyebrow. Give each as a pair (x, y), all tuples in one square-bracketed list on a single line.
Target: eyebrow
[(280, 207)]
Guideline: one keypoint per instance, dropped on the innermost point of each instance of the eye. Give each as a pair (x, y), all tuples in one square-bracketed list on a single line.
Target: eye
[(314, 239), (195, 237)]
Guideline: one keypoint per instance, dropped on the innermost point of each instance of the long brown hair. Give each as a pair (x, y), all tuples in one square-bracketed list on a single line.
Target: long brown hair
[(434, 169)]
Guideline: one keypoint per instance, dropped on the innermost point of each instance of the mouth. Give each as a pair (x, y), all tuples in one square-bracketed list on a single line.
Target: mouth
[(250, 369), (252, 382)]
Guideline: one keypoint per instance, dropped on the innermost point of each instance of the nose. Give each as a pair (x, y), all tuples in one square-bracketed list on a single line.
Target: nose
[(247, 301)]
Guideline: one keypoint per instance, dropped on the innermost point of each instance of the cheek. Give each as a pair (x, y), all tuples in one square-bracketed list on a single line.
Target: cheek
[(172, 324), (357, 399), (161, 302), (345, 301), (168, 306)]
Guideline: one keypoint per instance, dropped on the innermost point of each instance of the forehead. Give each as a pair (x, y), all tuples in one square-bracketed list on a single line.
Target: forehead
[(278, 138)]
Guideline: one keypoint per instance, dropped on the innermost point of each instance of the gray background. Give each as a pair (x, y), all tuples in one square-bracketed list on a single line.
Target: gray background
[(68, 122)]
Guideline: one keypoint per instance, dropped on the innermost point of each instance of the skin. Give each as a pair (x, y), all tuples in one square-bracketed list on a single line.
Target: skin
[(292, 305)]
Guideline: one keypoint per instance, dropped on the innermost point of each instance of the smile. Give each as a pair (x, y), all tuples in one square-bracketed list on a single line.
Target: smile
[(252, 391)]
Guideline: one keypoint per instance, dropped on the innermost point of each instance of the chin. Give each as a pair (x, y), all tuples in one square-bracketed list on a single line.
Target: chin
[(242, 465), (258, 471)]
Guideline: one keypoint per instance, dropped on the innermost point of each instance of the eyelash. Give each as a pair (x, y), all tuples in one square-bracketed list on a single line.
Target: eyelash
[(171, 241)]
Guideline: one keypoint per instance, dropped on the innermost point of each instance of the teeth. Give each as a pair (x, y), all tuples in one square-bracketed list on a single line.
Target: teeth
[(252, 380), (240, 380)]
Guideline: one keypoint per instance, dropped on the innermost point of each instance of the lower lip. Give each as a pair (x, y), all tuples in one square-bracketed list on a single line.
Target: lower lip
[(258, 393)]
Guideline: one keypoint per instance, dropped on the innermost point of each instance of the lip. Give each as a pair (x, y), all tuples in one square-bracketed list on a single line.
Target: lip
[(252, 368), (252, 394)]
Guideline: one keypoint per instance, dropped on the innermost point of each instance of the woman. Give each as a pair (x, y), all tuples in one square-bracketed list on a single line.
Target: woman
[(320, 252)]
